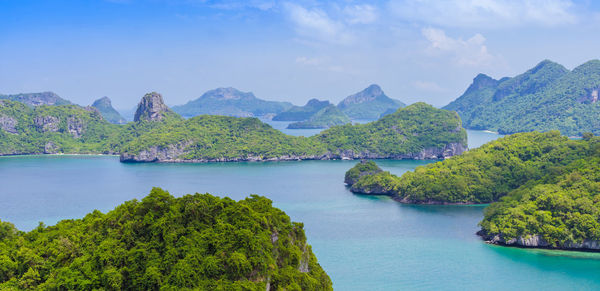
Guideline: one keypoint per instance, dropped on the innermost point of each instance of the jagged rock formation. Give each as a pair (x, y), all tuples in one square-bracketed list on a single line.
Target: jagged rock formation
[(8, 124), (46, 123), (151, 108), (104, 106), (369, 103), (37, 99), (230, 102)]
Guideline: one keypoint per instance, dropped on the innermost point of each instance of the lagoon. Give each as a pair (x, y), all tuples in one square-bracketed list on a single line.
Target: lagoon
[(362, 242)]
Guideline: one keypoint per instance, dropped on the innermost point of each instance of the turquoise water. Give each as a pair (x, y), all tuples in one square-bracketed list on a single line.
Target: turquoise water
[(364, 243)]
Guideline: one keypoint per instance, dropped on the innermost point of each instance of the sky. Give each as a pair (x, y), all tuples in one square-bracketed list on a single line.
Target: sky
[(416, 50)]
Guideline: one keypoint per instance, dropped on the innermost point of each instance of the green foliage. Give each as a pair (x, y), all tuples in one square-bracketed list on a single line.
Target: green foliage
[(324, 118), (72, 129), (37, 99), (224, 137), (197, 242), (547, 97), (363, 168), (485, 174), (53, 129), (561, 209), (408, 130)]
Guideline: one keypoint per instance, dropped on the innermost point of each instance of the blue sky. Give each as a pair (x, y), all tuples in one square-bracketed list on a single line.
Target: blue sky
[(283, 50)]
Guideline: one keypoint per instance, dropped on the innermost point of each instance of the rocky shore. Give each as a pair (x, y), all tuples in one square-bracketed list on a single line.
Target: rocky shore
[(536, 241), (173, 154)]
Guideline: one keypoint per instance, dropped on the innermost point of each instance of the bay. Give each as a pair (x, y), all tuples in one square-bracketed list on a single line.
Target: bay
[(363, 242)]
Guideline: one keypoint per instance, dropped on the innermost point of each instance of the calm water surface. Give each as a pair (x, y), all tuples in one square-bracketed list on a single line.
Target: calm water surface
[(364, 243)]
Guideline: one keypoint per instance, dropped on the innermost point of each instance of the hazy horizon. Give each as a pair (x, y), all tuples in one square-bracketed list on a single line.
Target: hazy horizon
[(283, 50)]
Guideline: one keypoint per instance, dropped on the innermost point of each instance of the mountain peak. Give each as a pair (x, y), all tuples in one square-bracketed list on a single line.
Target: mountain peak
[(368, 94), (227, 93), (104, 101), (104, 107), (151, 108), (37, 99)]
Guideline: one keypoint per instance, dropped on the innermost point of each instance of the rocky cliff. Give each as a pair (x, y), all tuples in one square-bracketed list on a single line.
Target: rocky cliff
[(536, 241), (151, 108), (37, 99)]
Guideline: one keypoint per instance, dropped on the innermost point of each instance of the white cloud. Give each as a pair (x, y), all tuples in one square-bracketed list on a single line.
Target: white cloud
[(316, 24), (360, 14), (470, 52), (486, 13)]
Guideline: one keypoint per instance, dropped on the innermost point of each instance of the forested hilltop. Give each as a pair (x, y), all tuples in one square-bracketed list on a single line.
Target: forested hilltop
[(546, 97), (544, 187), (160, 135), (199, 242), (419, 131)]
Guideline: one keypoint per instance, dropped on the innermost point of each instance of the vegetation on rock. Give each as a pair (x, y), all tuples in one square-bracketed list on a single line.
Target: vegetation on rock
[(370, 103), (108, 112), (199, 242), (546, 97), (37, 99), (544, 188)]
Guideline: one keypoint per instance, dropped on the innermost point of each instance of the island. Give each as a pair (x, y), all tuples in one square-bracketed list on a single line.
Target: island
[(158, 134), (199, 242), (324, 118), (546, 97), (369, 104), (231, 102), (543, 188)]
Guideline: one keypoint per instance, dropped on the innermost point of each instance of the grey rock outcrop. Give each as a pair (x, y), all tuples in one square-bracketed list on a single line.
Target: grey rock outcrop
[(8, 124), (173, 153), (75, 126), (536, 241), (151, 108), (46, 123)]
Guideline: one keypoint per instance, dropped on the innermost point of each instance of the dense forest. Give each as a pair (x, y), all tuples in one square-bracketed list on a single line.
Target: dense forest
[(485, 174), (544, 188), (546, 97), (198, 241), (159, 134), (73, 129)]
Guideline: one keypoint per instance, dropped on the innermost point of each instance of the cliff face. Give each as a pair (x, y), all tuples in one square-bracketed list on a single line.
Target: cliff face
[(37, 99), (151, 108), (174, 153), (536, 241), (8, 124)]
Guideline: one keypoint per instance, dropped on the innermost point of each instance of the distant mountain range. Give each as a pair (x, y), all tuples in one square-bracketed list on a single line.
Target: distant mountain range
[(37, 99), (230, 102), (546, 97), (370, 104), (324, 118), (111, 115), (300, 113)]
